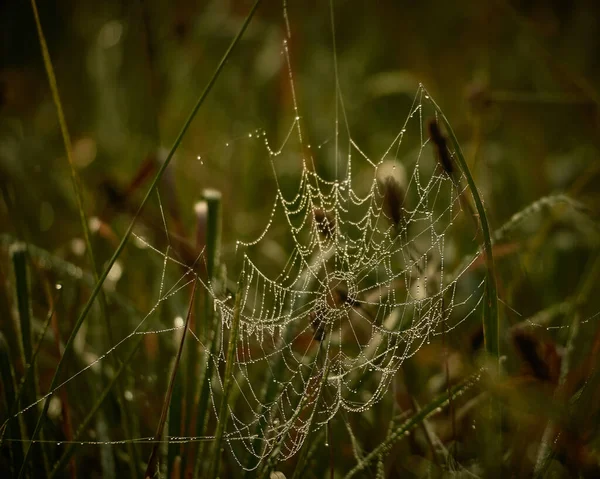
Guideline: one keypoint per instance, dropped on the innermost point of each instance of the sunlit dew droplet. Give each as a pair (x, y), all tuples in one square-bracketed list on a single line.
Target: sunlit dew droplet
[(58, 286), (128, 395)]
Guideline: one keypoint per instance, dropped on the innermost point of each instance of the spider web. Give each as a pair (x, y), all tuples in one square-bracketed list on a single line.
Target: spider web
[(364, 288), (369, 280)]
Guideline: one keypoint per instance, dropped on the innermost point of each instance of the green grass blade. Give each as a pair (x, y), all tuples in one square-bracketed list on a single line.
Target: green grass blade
[(18, 253), (491, 323), (29, 370), (490, 320), (215, 460), (117, 253), (414, 421), (82, 218)]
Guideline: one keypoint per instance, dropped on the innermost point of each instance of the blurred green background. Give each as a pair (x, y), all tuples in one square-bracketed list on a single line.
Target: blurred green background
[(519, 82)]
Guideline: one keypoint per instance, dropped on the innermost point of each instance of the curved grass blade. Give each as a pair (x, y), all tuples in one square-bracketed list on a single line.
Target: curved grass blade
[(490, 320), (411, 423)]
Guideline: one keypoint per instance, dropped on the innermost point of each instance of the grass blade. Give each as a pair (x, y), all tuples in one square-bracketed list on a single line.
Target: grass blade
[(210, 238), (18, 252), (490, 320)]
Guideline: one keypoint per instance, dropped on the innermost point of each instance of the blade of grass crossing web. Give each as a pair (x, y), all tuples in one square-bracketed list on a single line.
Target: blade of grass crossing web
[(127, 234), (153, 461), (84, 222), (490, 320), (384, 448), (215, 459)]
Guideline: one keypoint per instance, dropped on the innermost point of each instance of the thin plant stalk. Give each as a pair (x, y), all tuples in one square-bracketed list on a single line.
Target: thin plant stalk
[(86, 309), (153, 461)]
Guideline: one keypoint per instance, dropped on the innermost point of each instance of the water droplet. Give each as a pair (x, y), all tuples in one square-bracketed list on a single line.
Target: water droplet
[(58, 286)]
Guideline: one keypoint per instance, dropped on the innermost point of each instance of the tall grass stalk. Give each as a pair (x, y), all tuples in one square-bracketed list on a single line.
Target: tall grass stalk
[(117, 253), (76, 181), (207, 326)]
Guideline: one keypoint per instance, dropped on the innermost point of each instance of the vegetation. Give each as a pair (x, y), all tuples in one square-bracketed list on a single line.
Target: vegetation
[(145, 147)]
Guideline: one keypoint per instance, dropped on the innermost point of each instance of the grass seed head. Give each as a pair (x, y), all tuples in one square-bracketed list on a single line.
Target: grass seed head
[(439, 142), (393, 199)]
